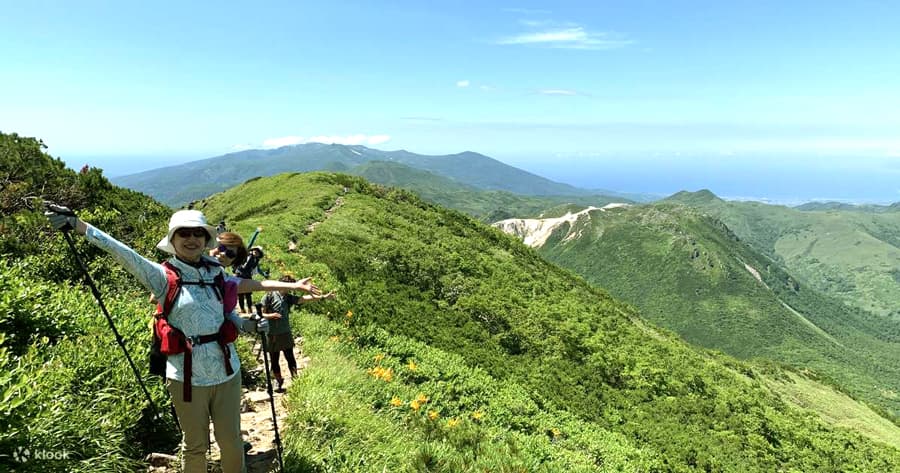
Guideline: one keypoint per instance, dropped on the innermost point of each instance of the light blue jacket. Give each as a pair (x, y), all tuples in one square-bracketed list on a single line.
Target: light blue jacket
[(197, 311)]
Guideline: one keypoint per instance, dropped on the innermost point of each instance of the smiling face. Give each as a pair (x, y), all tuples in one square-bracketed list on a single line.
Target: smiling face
[(189, 243)]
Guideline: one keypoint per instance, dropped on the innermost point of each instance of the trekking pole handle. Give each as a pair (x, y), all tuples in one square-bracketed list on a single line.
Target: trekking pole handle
[(62, 218), (259, 319)]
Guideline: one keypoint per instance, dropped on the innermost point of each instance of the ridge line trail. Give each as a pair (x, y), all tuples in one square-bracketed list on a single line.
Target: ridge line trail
[(256, 414), (328, 212)]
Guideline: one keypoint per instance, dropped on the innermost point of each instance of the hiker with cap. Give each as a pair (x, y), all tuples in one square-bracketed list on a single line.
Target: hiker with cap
[(246, 270), (204, 380), (277, 309)]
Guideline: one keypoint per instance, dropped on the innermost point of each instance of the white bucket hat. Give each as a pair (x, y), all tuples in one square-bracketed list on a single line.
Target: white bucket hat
[(187, 219)]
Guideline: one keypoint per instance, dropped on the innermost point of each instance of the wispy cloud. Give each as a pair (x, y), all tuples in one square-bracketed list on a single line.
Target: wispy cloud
[(563, 92), (527, 11), (422, 119), (358, 139), (576, 37), (467, 84), (283, 141), (537, 23)]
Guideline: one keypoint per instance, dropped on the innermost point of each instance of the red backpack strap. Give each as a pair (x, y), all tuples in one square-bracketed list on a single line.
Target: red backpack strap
[(173, 288), (163, 309)]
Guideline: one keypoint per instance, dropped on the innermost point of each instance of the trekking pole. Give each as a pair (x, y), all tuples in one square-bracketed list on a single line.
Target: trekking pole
[(265, 350), (96, 292), (259, 352), (253, 237)]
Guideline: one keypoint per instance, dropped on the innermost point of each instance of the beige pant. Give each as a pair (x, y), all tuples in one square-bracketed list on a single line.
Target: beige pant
[(222, 404)]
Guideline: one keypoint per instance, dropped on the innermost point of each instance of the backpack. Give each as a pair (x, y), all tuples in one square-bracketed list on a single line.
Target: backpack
[(169, 340)]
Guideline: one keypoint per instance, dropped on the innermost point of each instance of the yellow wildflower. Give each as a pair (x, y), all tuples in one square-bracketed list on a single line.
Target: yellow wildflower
[(349, 314), (388, 375), (556, 432), (379, 357), (452, 422), (396, 401), (335, 338), (415, 404), (412, 365), (433, 415), (478, 415), (422, 398)]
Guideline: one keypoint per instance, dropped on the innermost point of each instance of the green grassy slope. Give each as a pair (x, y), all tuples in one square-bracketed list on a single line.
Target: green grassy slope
[(690, 274), (431, 276), (66, 388), (853, 255)]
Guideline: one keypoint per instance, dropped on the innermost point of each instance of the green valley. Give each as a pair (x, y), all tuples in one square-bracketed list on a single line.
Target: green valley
[(688, 272), (852, 254)]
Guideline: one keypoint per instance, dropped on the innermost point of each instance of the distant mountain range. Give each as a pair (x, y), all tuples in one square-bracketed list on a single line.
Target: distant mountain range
[(814, 206), (178, 185)]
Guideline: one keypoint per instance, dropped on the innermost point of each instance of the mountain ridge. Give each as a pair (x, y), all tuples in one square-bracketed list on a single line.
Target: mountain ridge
[(699, 279), (853, 254), (179, 184)]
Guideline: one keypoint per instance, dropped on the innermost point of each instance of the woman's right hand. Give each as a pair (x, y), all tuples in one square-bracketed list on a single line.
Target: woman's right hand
[(63, 219)]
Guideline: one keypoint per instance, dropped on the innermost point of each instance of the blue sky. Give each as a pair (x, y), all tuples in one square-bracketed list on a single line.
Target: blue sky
[(577, 91)]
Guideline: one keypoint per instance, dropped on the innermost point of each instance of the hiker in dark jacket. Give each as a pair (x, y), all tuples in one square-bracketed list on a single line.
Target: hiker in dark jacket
[(246, 270)]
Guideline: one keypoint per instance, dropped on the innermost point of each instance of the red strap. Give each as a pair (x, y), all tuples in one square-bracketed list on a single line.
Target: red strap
[(173, 289), (164, 308)]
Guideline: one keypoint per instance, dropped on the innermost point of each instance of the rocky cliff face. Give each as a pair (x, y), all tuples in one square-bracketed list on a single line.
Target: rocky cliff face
[(534, 232)]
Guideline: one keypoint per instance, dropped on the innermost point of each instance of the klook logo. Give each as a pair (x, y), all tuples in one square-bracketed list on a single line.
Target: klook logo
[(23, 454)]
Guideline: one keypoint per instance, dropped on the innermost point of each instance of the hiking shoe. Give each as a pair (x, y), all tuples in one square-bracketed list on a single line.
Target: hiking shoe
[(247, 446), (280, 388)]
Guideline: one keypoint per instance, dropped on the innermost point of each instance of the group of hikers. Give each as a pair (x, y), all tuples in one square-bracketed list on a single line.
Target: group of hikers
[(197, 321)]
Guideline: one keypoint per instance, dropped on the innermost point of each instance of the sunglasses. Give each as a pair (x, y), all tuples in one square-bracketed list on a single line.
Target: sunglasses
[(191, 232), (228, 252)]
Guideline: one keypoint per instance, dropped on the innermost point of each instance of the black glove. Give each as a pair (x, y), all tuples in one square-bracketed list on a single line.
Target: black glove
[(256, 325), (61, 218)]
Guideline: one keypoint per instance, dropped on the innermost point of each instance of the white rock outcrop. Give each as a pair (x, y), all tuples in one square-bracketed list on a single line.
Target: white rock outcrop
[(534, 232)]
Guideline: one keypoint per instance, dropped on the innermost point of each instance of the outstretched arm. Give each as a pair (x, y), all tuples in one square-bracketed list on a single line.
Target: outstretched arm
[(151, 275), (250, 285), (312, 298)]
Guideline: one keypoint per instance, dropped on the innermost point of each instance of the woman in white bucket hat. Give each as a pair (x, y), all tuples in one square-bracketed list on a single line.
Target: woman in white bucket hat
[(214, 382)]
